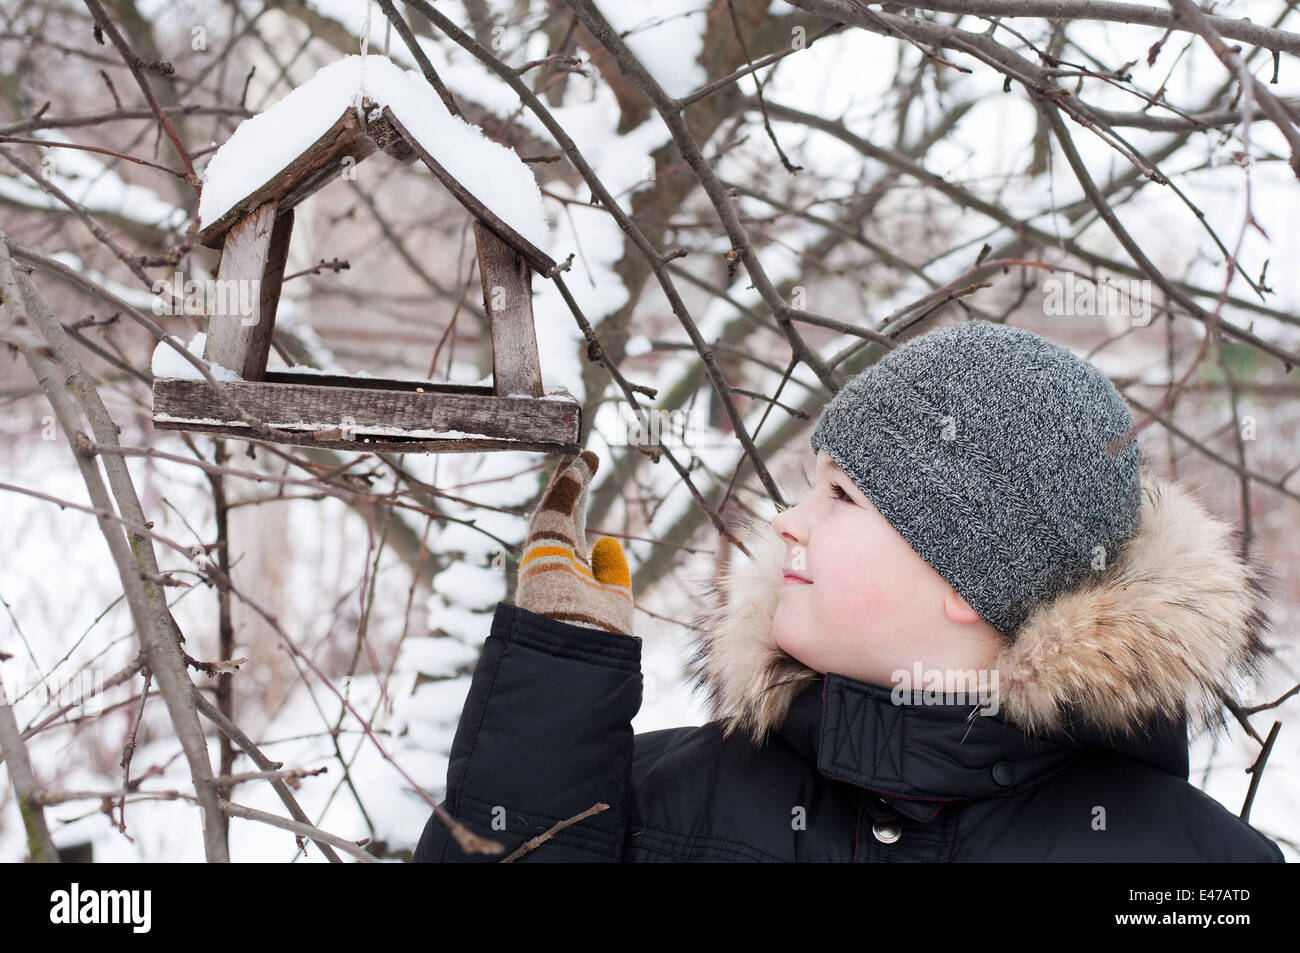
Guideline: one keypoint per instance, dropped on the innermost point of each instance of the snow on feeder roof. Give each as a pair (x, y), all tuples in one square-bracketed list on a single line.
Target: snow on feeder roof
[(274, 160), (321, 113)]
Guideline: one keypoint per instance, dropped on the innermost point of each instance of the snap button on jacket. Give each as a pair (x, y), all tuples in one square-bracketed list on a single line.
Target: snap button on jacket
[(887, 832)]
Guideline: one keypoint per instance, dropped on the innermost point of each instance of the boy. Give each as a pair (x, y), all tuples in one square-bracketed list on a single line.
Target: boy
[(982, 636)]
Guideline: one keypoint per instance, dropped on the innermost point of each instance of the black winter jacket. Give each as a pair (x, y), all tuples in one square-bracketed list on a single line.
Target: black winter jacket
[(1086, 760)]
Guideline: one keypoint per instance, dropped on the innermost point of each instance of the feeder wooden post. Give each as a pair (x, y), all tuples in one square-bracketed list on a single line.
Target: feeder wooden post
[(254, 251), (508, 301)]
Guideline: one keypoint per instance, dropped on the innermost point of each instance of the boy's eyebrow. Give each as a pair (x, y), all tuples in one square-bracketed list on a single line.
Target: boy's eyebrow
[(827, 463)]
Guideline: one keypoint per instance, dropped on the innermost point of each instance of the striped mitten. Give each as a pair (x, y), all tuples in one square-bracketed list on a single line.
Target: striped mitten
[(557, 578)]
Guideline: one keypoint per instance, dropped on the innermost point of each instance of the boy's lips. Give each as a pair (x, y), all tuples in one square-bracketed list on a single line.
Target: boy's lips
[(794, 579)]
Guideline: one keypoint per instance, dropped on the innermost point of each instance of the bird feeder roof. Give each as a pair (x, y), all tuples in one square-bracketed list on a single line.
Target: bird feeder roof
[(348, 109)]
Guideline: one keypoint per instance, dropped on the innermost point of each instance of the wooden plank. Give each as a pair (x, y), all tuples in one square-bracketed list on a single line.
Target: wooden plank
[(508, 301), (259, 345), (541, 262), (316, 167), (280, 376), (380, 444), (248, 285), (487, 423)]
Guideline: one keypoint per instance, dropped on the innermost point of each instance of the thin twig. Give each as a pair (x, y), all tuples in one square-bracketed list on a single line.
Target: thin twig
[(535, 842)]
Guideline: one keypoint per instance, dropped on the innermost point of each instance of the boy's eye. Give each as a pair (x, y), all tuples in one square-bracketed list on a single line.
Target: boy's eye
[(837, 491)]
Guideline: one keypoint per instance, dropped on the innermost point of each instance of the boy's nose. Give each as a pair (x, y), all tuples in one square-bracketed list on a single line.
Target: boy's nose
[(788, 526)]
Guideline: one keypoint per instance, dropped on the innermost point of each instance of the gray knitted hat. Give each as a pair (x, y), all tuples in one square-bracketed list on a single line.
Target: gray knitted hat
[(985, 448)]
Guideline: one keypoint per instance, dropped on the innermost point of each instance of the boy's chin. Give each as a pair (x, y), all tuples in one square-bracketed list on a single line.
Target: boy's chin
[(792, 647)]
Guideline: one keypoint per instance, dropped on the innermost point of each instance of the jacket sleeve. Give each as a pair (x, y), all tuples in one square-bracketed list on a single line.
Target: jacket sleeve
[(546, 732)]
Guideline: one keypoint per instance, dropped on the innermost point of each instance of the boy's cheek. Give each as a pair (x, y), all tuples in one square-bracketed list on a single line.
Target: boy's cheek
[(862, 600)]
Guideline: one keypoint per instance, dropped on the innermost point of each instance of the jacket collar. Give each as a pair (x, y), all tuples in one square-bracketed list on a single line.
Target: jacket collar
[(1128, 661), (916, 757)]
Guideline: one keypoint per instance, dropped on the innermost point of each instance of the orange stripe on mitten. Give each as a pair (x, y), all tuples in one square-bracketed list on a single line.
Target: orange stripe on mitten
[(557, 577)]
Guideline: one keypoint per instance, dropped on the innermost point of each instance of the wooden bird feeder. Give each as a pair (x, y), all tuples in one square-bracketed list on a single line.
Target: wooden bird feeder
[(344, 412)]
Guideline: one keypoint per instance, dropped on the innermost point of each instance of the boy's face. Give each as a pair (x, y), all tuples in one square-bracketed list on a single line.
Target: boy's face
[(871, 606)]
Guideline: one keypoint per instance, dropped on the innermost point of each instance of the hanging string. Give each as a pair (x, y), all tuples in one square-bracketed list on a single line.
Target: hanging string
[(365, 42)]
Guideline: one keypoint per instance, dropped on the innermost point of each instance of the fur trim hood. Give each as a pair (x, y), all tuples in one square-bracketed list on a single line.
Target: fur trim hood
[(1169, 630)]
